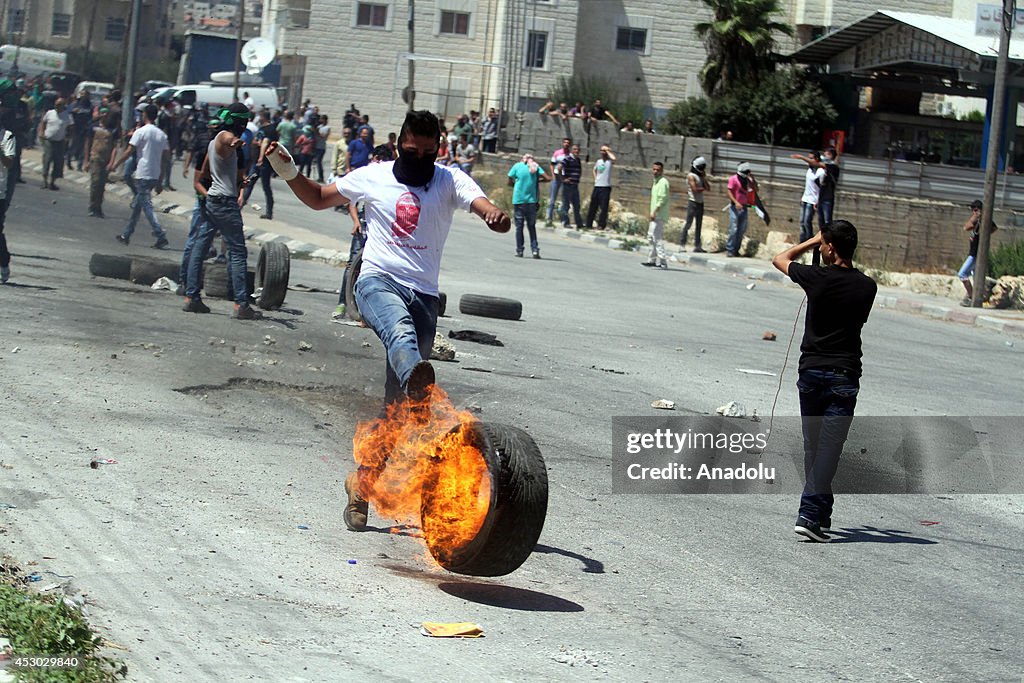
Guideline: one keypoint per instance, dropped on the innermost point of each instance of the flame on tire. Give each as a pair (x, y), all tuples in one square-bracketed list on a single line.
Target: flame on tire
[(426, 449)]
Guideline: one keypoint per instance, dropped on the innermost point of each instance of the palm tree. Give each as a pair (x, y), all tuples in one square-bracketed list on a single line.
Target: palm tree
[(739, 40)]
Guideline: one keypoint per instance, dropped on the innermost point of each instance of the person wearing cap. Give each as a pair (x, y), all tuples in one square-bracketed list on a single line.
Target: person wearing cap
[(149, 144), (8, 149), (742, 190), (220, 186), (696, 186)]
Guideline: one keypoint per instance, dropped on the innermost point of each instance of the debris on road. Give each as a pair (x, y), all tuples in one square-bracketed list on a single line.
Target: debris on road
[(442, 348), (769, 336), (475, 336), (305, 346), (751, 285), (664, 404), (927, 522), (732, 409), (463, 629), (614, 372), (95, 464), (351, 561), (747, 371), (16, 349), (165, 283), (268, 340), (366, 345), (303, 527)]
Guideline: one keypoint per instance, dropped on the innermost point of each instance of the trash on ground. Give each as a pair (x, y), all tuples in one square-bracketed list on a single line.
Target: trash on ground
[(307, 288), (769, 336), (305, 346), (664, 404), (463, 629), (475, 336), (614, 372), (927, 522), (351, 561), (442, 349), (95, 464), (303, 526), (165, 283), (268, 340), (16, 349), (747, 371), (732, 409), (366, 345), (752, 285), (8, 506)]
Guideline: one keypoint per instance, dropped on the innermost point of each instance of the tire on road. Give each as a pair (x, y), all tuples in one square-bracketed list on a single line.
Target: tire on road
[(146, 271), (518, 504), (272, 271), (117, 267), (490, 307), (352, 274), (217, 284), (442, 303)]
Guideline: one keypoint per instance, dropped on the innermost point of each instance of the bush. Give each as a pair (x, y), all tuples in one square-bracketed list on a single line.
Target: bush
[(1007, 259), (785, 109)]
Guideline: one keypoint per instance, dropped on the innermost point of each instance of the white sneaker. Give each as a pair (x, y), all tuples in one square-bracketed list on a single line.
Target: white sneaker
[(5, 275)]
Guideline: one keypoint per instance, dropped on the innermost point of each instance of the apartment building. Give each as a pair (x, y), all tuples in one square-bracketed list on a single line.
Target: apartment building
[(221, 16)]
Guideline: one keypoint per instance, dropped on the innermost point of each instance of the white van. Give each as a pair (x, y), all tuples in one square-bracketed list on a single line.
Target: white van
[(30, 61), (214, 96), (96, 89)]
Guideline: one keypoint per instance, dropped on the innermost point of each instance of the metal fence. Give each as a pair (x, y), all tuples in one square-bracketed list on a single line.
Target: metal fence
[(859, 174)]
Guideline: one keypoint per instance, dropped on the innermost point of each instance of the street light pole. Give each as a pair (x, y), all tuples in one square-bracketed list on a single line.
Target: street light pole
[(238, 44), (128, 110), (995, 143)]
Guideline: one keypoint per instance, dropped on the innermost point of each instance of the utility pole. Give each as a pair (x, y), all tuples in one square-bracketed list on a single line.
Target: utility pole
[(238, 43), (995, 143), (128, 108), (88, 40), (411, 87)]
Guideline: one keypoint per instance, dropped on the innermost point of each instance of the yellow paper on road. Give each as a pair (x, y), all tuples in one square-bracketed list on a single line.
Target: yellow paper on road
[(463, 629)]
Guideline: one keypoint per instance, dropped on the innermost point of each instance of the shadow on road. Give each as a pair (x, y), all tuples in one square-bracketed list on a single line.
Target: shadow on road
[(590, 565), (870, 534), (34, 256), (42, 288), (508, 597)]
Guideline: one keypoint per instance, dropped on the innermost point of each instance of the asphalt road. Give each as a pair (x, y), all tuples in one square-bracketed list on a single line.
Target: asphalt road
[(189, 550)]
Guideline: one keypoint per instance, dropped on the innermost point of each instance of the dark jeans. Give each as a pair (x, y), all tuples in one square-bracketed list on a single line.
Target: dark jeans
[(76, 152), (827, 401), (806, 221), (405, 321), (53, 160), (5, 256), (356, 246), (825, 207), (491, 146), (198, 220), (526, 213), (695, 217), (318, 161), (571, 197), (142, 203), (599, 199), (222, 213), (266, 173), (304, 162)]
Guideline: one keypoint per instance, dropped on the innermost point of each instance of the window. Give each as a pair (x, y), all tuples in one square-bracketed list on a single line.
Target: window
[(632, 39), (374, 16), (115, 30), (536, 50), (61, 24), (298, 13), (16, 20), (456, 23)]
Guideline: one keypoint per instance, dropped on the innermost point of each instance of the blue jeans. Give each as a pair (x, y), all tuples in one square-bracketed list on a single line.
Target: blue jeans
[(143, 203), (737, 229), (526, 213), (806, 221), (556, 185), (356, 246), (198, 219), (695, 217), (221, 213), (571, 196), (405, 321), (827, 401), (825, 207)]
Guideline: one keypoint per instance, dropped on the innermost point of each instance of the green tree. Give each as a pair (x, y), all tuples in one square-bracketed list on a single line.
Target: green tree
[(739, 39)]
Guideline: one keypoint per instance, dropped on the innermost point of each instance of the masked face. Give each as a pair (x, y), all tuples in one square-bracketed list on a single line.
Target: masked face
[(416, 157)]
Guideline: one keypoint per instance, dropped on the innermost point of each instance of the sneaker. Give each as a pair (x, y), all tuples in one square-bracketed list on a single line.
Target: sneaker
[(730, 254), (96, 214), (536, 254), (5, 274), (648, 264), (811, 530), (826, 526), (179, 290), (966, 301), (122, 239), (195, 306), (266, 216), (698, 250), (519, 254), (663, 265), (54, 186), (339, 312), (357, 508), (161, 243), (421, 378), (245, 312), (221, 258)]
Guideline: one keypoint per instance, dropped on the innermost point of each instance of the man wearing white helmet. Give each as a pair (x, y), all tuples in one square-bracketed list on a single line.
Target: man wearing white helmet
[(696, 186), (742, 190)]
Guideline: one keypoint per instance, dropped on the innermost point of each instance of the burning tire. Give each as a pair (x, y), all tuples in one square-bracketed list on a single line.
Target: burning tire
[(516, 495), (490, 307)]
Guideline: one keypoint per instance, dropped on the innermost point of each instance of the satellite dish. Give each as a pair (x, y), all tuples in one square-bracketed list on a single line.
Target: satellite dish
[(257, 54)]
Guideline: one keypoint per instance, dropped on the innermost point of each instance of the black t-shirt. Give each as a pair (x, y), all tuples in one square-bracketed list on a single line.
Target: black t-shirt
[(828, 183), (838, 303), (974, 238), (267, 132), (597, 112)]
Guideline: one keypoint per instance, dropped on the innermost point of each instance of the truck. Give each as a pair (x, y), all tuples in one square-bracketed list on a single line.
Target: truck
[(29, 61)]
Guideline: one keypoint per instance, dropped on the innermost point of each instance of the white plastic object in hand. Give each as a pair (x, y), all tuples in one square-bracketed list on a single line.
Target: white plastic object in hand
[(283, 167)]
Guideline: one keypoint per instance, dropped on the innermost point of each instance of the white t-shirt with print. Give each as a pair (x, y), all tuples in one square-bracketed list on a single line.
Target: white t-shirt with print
[(603, 176), (407, 226), (149, 143), (812, 185), (7, 149)]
